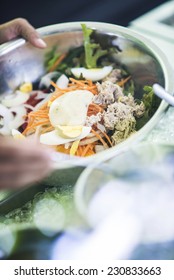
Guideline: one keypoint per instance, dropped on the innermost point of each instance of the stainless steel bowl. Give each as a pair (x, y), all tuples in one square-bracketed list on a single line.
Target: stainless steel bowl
[(19, 62)]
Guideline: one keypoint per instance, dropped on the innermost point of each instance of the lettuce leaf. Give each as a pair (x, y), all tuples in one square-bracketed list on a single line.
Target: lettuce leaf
[(151, 102), (93, 51)]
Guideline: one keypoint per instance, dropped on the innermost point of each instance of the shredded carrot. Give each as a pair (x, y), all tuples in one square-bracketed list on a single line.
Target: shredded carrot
[(57, 93), (79, 151), (47, 129), (107, 137), (36, 124), (57, 62), (84, 152), (78, 82), (61, 149), (123, 81), (41, 116), (85, 84), (93, 109), (100, 138)]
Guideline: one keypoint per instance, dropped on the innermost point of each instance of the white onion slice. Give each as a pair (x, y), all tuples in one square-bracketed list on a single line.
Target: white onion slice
[(101, 127), (46, 79), (15, 99), (67, 145), (41, 95), (87, 141), (62, 82), (99, 148), (18, 119), (28, 106), (42, 101), (7, 117)]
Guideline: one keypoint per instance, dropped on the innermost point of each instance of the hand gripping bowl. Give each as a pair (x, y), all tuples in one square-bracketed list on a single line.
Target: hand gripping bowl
[(20, 62)]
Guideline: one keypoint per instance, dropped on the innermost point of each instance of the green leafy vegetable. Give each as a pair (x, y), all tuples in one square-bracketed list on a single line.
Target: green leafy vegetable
[(151, 102), (51, 57), (93, 51), (129, 88), (148, 97), (74, 58), (87, 55)]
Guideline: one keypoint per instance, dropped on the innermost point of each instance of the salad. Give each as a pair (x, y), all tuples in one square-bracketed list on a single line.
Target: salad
[(84, 103)]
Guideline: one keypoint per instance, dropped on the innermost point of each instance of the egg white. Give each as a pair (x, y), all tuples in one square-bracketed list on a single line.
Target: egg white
[(95, 74), (54, 138), (70, 108)]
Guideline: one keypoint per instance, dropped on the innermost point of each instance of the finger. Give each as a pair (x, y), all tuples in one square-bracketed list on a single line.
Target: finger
[(18, 175), (22, 162), (26, 149), (23, 155), (27, 31), (24, 166), (20, 27), (21, 179)]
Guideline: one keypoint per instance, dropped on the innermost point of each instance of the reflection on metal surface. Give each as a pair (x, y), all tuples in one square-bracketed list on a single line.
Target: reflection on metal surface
[(169, 20)]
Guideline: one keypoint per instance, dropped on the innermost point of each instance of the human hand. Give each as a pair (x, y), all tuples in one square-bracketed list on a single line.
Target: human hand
[(20, 28), (22, 162)]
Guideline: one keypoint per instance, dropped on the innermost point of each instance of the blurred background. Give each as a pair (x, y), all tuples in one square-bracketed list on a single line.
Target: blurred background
[(43, 12)]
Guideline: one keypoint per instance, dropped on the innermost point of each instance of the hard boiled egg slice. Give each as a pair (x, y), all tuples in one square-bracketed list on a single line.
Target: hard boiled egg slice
[(54, 137), (95, 74), (26, 87), (70, 109), (70, 131)]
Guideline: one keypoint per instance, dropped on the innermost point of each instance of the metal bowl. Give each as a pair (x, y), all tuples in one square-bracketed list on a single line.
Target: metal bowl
[(19, 62)]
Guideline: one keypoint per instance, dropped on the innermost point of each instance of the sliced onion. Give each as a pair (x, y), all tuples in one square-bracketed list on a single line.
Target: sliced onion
[(67, 145), (7, 117), (18, 119), (62, 81), (88, 141), (46, 79), (91, 138), (41, 95), (28, 106), (15, 99), (42, 102), (101, 127), (99, 148), (91, 134)]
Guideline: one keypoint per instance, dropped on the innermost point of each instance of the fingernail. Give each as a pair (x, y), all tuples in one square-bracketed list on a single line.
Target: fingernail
[(40, 43)]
